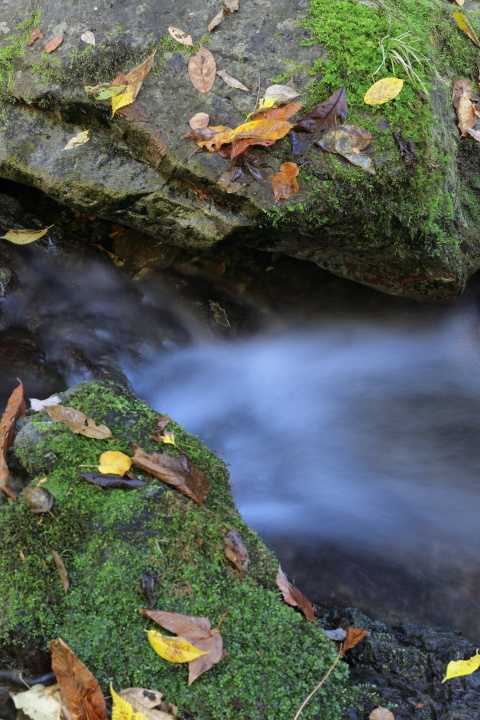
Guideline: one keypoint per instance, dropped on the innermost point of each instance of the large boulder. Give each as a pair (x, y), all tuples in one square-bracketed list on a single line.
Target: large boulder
[(409, 229)]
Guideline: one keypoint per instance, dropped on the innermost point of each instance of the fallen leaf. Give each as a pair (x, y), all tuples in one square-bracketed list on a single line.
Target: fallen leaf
[(456, 668), (474, 133), (15, 409), (88, 37), (217, 19), (461, 99), (148, 698), (383, 91), (236, 551), (38, 500), (163, 421), (119, 100), (134, 113), (282, 113), (157, 147), (279, 94), (202, 134), (62, 570), (177, 471), (353, 637), (199, 120), (168, 438), (324, 116), (180, 36), (256, 132), (80, 692), (36, 34), (232, 5), (53, 44), (337, 635), (381, 713), (40, 702), (227, 184), (23, 237), (460, 2), (231, 82), (407, 150), (78, 422), (293, 596), (173, 649), (38, 405), (143, 704), (284, 183), (114, 482), (104, 91), (464, 25), (134, 81), (349, 141), (202, 69), (122, 709), (78, 139), (113, 462)]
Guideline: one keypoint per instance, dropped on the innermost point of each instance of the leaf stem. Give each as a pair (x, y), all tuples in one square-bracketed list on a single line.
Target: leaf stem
[(317, 687)]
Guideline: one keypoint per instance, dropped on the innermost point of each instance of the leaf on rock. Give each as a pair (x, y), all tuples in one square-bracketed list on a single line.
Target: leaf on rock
[(324, 116), (38, 405), (15, 409), (62, 570), (38, 499), (180, 36), (293, 596), (202, 134), (280, 94), (134, 81), (114, 462), (53, 44), (174, 649), (177, 471), (464, 25), (474, 133), (281, 113), (144, 702), (36, 34), (381, 713), (79, 139), (134, 113), (217, 19), (122, 709), (199, 120), (104, 91), (236, 551), (157, 147), (202, 69), (349, 141), (114, 482), (462, 102), (121, 99), (256, 132), (353, 637), (23, 237), (227, 183), (40, 702), (231, 82), (232, 5), (383, 91), (284, 183), (456, 668), (88, 37), (80, 692), (78, 422)]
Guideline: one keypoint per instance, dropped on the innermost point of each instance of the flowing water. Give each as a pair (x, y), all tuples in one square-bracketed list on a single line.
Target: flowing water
[(352, 435)]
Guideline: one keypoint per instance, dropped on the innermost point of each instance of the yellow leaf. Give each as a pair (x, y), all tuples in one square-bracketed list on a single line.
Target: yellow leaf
[(464, 25), (78, 139), (113, 462), (168, 438), (23, 237), (383, 91), (265, 104), (173, 649), (122, 710), (124, 98), (455, 668)]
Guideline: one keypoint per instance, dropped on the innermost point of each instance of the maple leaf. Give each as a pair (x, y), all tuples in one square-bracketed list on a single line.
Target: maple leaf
[(15, 409), (78, 422), (462, 102), (80, 692)]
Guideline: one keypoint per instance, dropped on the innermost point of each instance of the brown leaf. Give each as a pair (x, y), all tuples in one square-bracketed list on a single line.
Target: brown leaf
[(217, 19), (62, 570), (293, 596), (38, 500), (203, 134), (113, 481), (284, 183), (157, 147), (236, 551), (407, 150), (78, 422), (227, 183), (177, 471), (349, 141), (53, 44), (199, 120), (461, 99), (325, 115), (202, 69), (180, 36), (15, 409), (231, 82), (134, 112), (232, 5), (36, 34), (354, 635), (134, 81), (196, 630), (80, 692)]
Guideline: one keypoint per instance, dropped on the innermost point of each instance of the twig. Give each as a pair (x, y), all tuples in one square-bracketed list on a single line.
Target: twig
[(320, 683)]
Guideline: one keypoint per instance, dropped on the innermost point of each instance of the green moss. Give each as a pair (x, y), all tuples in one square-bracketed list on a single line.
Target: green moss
[(15, 47)]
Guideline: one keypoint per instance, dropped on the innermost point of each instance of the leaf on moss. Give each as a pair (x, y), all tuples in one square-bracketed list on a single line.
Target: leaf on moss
[(464, 25), (114, 462), (177, 471), (324, 116), (148, 702), (202, 69), (293, 596), (62, 570), (284, 183), (37, 499), (407, 150), (456, 668), (180, 36), (35, 35), (113, 482), (80, 692), (349, 141), (236, 550), (462, 102), (122, 709), (24, 237), (381, 713), (383, 91), (78, 422), (174, 649), (15, 409), (53, 44), (79, 139)]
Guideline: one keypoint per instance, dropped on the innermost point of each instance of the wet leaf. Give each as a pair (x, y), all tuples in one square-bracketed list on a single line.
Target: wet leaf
[(177, 471), (40, 702), (15, 409), (464, 25), (53, 44), (461, 99), (456, 668), (353, 637), (173, 649), (227, 184), (180, 36), (78, 422), (284, 183), (104, 91), (62, 570), (114, 482), (231, 82), (202, 69), (134, 81), (199, 120), (119, 100), (255, 132), (38, 499), (36, 34), (407, 150), (23, 237), (38, 405), (324, 116), (279, 94), (80, 692), (293, 596), (114, 462), (282, 113), (236, 551), (134, 113), (157, 147), (383, 91), (144, 702), (217, 19), (79, 139), (349, 141), (381, 713), (336, 635), (88, 37)]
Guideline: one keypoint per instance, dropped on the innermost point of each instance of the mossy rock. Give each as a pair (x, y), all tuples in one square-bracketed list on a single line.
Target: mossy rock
[(108, 539)]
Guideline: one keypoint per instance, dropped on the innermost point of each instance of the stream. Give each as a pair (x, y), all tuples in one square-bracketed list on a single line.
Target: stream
[(351, 432)]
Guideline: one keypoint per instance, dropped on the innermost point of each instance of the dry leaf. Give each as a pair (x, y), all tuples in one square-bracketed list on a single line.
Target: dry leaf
[(407, 150), (53, 44), (143, 704), (293, 596), (40, 404), (461, 99), (474, 133), (88, 37), (36, 34), (381, 713), (174, 649), (177, 471), (202, 69), (78, 422), (460, 2), (236, 551), (217, 19), (324, 116), (284, 183), (114, 482), (62, 570), (456, 668), (133, 80), (78, 139), (279, 94), (157, 147), (38, 500), (148, 698), (199, 120), (79, 690), (40, 702), (15, 409), (354, 635), (180, 36), (232, 5), (114, 462), (464, 25), (23, 237), (231, 81), (383, 91), (281, 113), (122, 709)]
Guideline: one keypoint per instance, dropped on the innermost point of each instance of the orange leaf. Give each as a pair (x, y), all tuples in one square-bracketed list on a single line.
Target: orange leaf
[(284, 183), (257, 132), (462, 102), (53, 44), (36, 34), (293, 596), (15, 409), (281, 113), (354, 635), (80, 692), (202, 69)]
